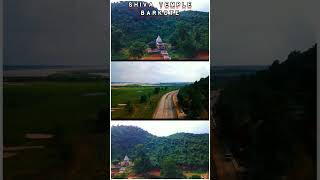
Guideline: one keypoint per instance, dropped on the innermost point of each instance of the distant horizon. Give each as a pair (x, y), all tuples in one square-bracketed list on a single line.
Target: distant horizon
[(44, 65), (157, 135), (151, 72), (151, 82), (167, 128), (21, 67)]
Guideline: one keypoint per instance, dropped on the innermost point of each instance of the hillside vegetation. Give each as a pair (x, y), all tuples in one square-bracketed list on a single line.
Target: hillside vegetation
[(270, 118), (185, 34), (194, 99), (186, 150), (140, 101)]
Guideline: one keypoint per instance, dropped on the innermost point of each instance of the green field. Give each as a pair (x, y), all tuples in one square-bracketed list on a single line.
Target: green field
[(122, 95), (72, 112)]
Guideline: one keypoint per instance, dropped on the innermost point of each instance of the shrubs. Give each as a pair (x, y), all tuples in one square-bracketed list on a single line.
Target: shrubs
[(194, 99), (143, 99), (136, 50), (156, 90), (195, 177), (170, 170), (129, 107), (120, 176)]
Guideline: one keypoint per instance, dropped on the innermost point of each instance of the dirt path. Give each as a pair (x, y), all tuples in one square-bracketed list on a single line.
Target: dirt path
[(166, 108)]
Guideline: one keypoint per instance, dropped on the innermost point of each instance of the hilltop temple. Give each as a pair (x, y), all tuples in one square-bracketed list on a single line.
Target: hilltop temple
[(120, 167), (126, 160), (160, 49), (159, 43)]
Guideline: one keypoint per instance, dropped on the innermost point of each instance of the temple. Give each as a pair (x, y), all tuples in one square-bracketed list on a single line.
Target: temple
[(159, 49), (126, 160), (159, 43), (120, 167)]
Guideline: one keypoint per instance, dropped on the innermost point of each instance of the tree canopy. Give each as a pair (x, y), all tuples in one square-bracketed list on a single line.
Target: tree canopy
[(269, 117), (169, 169), (187, 33), (194, 99), (190, 150)]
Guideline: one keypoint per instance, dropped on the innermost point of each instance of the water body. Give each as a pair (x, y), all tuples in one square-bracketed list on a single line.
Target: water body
[(44, 71)]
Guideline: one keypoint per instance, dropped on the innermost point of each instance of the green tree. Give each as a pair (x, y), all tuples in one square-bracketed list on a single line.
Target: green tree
[(173, 39), (137, 49), (156, 90), (129, 107), (182, 30), (143, 99), (121, 176), (152, 45), (116, 38), (196, 104), (115, 162), (188, 47), (142, 162), (170, 170)]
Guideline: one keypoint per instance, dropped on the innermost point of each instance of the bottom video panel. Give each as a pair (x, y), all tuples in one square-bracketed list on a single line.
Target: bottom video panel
[(159, 149)]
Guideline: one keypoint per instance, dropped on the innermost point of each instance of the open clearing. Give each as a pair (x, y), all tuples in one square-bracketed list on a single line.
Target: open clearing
[(132, 94), (51, 130)]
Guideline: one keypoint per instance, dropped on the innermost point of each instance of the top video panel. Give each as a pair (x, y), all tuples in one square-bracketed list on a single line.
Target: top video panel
[(160, 30)]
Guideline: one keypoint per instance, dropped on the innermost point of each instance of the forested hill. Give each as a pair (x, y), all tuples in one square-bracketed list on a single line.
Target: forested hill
[(128, 27), (194, 99), (146, 29), (125, 138), (191, 150), (270, 118)]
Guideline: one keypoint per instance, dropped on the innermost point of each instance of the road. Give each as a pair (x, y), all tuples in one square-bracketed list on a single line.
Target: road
[(225, 169), (166, 108)]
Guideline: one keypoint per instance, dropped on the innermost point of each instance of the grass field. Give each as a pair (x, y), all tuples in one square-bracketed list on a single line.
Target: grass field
[(190, 173), (122, 95), (68, 110), (44, 106)]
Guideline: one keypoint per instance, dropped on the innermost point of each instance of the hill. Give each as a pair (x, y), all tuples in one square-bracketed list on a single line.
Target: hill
[(269, 118), (185, 34), (194, 99), (188, 150)]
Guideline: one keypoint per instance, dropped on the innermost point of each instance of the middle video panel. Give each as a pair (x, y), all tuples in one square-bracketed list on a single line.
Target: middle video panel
[(160, 90)]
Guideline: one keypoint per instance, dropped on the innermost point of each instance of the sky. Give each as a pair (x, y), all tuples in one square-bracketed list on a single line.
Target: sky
[(251, 32), (197, 5), (166, 128), (73, 32), (156, 72), (55, 32)]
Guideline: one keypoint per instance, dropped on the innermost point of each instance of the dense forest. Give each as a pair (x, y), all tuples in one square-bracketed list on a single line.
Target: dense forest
[(190, 151), (194, 99), (185, 35), (269, 118)]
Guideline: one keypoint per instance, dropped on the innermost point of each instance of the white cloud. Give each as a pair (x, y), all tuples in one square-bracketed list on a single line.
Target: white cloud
[(166, 128), (156, 72)]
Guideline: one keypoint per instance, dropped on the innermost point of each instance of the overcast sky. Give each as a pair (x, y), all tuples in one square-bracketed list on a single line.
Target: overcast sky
[(55, 32), (257, 32), (72, 32), (156, 72), (197, 5), (165, 128)]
